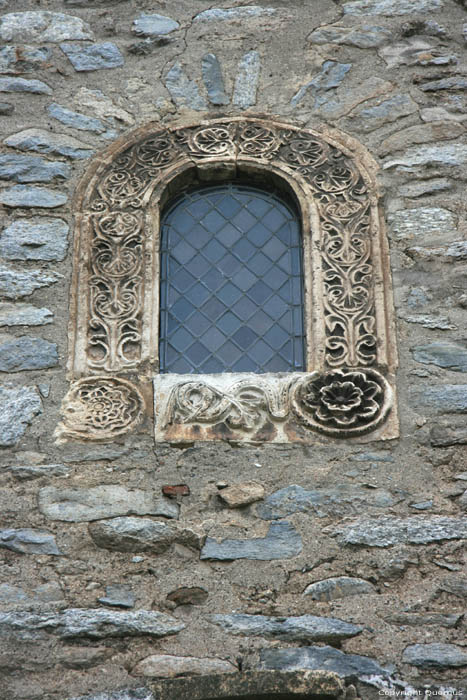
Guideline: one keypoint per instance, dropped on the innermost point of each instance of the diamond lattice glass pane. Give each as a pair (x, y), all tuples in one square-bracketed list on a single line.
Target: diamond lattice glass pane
[(231, 283)]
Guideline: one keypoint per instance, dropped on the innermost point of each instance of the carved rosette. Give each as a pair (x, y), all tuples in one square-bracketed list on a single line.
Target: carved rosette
[(100, 408)]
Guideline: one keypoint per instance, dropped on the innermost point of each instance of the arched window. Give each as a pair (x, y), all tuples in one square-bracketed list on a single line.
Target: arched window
[(231, 282)]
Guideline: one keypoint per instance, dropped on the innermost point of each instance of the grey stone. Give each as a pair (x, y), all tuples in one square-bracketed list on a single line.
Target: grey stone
[(6, 109), (184, 92), (343, 498), (148, 45), (141, 535), (246, 82), (371, 457), (442, 323), (37, 87), (419, 188), (30, 196), (26, 472), (391, 8), (154, 25), (28, 541), (364, 37), (15, 284), (165, 666), (449, 253), (18, 406), (25, 353), (451, 356), (24, 315), (455, 585), (35, 239), (12, 595), (306, 628), (75, 120), (94, 56), (212, 76), (436, 114), (281, 542), (31, 168), (423, 26), (316, 658), (119, 596), (43, 141), (21, 59), (422, 505), (429, 223), (246, 12), (435, 656), (443, 154), (338, 587), (91, 623), (372, 117), (82, 505), (331, 76), (446, 398), (422, 619), (388, 530), (454, 83), (416, 50), (43, 26), (129, 694)]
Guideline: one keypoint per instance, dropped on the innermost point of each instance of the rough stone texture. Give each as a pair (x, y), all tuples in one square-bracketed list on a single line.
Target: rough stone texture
[(35, 239), (445, 154), (82, 505), (447, 437), (118, 596), (436, 656), (102, 106), (435, 131), (372, 117), (30, 196), (338, 587), (18, 406), (6, 109), (188, 596), (418, 51), (43, 141), (449, 398), (22, 59), (316, 658), (76, 120), (212, 76), (184, 92), (242, 494), (93, 624), (306, 628), (47, 595), (25, 472), (24, 315), (422, 619), (424, 187), (141, 535), (165, 666), (93, 57), (31, 169), (15, 284), (281, 542), (364, 37), (23, 353), (391, 7), (441, 322), (331, 76), (246, 83), (449, 253), (42, 26), (455, 83), (456, 585), (27, 541), (37, 87), (431, 224), (451, 356), (154, 25), (233, 13), (387, 531)]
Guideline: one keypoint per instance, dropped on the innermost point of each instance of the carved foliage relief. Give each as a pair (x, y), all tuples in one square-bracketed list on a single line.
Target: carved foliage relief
[(350, 394)]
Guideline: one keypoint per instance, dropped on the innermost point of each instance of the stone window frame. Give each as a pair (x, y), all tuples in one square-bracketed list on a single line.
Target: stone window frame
[(348, 389)]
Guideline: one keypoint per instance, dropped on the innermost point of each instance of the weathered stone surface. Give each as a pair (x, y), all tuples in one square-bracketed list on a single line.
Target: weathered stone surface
[(331, 76), (31, 168), (422, 619), (142, 535), (388, 530), (342, 498), (454, 83), (246, 12), (193, 595), (435, 114), (364, 37), (449, 253), (435, 656), (416, 50), (434, 131), (25, 472), (24, 315), (338, 587), (184, 92), (213, 80), (47, 595), (281, 542), (92, 623), (372, 117), (15, 284), (118, 596), (82, 505), (419, 188), (35, 239), (43, 26), (391, 8), (24, 352), (447, 437), (316, 658), (129, 694), (242, 494), (451, 356), (456, 585), (28, 541), (246, 83), (309, 628), (18, 406), (426, 27), (6, 109), (22, 59), (43, 141), (102, 106), (154, 25), (444, 154), (75, 120), (94, 56), (165, 666), (447, 398), (30, 196), (442, 323), (431, 224), (37, 87)]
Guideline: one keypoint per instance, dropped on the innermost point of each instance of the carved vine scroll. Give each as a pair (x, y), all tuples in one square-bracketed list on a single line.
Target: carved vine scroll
[(348, 313)]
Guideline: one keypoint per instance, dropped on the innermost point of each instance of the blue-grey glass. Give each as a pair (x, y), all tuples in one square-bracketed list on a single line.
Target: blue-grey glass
[(231, 283)]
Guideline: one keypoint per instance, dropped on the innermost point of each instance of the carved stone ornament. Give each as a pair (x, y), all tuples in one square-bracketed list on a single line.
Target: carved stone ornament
[(348, 300)]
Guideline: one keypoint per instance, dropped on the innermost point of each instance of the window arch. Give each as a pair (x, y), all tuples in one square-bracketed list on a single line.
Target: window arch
[(346, 389)]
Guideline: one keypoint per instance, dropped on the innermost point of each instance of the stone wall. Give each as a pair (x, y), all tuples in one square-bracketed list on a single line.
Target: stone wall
[(334, 555)]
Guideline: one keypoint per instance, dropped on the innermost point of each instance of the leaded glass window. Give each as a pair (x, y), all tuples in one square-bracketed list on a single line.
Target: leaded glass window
[(231, 282)]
